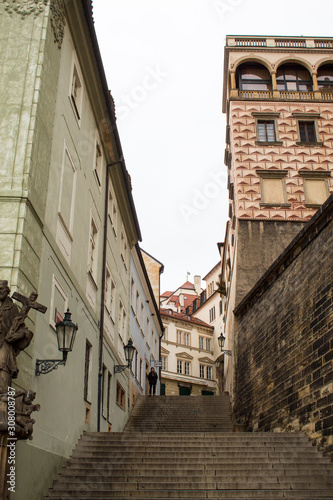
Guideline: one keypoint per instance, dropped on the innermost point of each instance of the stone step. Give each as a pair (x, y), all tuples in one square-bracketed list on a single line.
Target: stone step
[(190, 456), (232, 494)]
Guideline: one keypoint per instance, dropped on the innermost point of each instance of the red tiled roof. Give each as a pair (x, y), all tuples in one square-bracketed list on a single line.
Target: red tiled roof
[(184, 317), (188, 285), (166, 294)]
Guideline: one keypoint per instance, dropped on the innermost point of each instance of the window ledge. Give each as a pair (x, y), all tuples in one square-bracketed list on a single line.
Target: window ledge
[(268, 143), (313, 205), (275, 204), (313, 144)]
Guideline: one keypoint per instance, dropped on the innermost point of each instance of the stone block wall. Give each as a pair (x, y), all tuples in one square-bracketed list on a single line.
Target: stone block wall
[(284, 372)]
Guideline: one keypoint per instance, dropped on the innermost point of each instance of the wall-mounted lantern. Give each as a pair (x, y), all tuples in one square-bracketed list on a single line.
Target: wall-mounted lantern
[(129, 353), (221, 341), (66, 332)]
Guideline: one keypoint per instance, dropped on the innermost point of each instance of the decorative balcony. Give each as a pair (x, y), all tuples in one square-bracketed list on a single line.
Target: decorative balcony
[(280, 42)]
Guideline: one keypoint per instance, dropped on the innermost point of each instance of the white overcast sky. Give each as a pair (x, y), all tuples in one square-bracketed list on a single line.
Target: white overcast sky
[(164, 65)]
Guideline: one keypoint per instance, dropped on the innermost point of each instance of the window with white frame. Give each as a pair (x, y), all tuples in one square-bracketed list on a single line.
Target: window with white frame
[(187, 338), (122, 318), (67, 191), (187, 366), (123, 247), (208, 344), (179, 366), (209, 372), (179, 337), (98, 160), (201, 342), (202, 371), (93, 248), (76, 89), (164, 362), (110, 289), (112, 209), (212, 314)]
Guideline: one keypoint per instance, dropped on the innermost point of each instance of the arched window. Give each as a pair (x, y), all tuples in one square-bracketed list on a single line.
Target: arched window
[(325, 77), (294, 78), (253, 76)]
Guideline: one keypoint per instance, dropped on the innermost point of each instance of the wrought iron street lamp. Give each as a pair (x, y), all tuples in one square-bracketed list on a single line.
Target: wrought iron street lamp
[(221, 341), (66, 332), (129, 353)]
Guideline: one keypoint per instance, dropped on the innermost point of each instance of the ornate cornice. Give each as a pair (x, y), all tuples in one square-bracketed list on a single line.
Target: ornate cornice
[(25, 7)]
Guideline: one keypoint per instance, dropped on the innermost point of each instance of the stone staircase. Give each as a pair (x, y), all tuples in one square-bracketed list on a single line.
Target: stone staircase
[(183, 448)]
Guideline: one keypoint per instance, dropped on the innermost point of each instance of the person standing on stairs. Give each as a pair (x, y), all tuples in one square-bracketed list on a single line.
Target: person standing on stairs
[(152, 379)]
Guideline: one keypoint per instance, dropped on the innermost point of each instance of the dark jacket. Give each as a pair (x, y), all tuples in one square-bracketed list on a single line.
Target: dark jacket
[(152, 377)]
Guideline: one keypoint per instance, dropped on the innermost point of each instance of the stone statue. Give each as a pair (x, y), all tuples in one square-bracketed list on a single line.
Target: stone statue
[(14, 335), (23, 410), (14, 338)]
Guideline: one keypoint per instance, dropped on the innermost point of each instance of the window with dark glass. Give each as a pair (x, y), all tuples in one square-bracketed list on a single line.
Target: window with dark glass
[(325, 77), (253, 77), (307, 131), (294, 78), (266, 131)]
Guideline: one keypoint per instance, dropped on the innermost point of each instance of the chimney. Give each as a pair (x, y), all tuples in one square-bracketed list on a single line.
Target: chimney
[(181, 300), (197, 284)]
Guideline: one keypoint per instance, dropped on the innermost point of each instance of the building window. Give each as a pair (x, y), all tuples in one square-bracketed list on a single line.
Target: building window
[(123, 248), (112, 209), (325, 78), (108, 401), (120, 398), (104, 390), (273, 188), (253, 77), (179, 366), (202, 371), (208, 344), (122, 318), (87, 371), (212, 314), (98, 161), (76, 89), (93, 248), (187, 368), (179, 337), (221, 308), (201, 342), (187, 338), (67, 191), (110, 290), (307, 131), (316, 187), (293, 78), (209, 372), (266, 131), (164, 362)]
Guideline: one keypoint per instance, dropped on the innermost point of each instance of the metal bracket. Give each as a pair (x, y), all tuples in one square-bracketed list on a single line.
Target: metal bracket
[(120, 368), (227, 352), (47, 365)]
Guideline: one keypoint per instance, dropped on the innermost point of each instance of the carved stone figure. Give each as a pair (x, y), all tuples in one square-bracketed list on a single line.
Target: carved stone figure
[(14, 335), (23, 410)]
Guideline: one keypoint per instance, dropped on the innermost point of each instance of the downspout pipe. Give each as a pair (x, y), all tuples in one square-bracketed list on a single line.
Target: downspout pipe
[(102, 311)]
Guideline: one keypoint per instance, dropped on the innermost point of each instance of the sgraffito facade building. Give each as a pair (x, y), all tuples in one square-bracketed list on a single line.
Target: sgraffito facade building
[(278, 99)]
